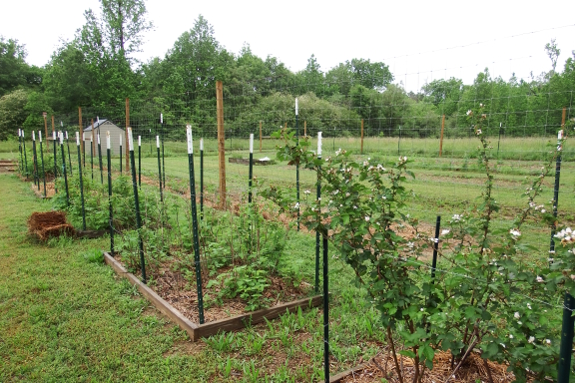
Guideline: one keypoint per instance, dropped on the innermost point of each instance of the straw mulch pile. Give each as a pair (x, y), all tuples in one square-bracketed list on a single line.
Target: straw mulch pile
[(49, 224), (472, 370)]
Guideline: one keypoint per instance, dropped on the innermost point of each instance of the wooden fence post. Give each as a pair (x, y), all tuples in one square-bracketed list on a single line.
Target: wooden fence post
[(305, 128), (441, 138), (221, 142), (127, 140)]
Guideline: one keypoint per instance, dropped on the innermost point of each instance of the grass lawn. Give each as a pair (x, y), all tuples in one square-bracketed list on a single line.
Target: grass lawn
[(66, 318)]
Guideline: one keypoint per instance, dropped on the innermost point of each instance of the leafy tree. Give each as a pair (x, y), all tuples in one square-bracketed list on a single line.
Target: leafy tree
[(553, 52), (14, 71), (12, 113)]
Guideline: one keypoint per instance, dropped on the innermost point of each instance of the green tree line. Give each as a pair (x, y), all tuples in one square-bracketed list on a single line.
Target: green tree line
[(96, 69)]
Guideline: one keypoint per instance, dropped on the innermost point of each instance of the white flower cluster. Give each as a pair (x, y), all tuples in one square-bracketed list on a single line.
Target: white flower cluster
[(338, 152), (469, 112), (457, 218), (402, 160), (566, 236), (536, 207), (515, 233), (444, 232), (478, 132)]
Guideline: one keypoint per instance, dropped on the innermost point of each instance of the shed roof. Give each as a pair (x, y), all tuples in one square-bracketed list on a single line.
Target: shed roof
[(97, 125)]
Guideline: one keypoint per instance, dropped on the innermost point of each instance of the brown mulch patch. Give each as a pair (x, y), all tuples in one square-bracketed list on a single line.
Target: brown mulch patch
[(50, 189), (472, 370), (181, 292), (49, 224)]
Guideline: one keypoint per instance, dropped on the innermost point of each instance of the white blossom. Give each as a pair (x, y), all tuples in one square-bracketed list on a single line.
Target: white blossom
[(531, 340), (539, 279), (548, 341), (457, 218), (444, 232), (478, 132), (517, 315), (367, 218), (338, 152), (469, 113), (307, 192), (296, 206), (529, 306), (515, 233), (510, 336)]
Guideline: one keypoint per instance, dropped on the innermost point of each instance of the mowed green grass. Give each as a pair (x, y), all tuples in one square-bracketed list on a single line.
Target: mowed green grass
[(66, 319)]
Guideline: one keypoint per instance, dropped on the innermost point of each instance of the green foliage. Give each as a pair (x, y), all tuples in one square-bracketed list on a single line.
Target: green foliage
[(12, 113), (94, 256)]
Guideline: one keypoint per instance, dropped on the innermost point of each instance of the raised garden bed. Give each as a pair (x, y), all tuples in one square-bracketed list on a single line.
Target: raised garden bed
[(217, 321)]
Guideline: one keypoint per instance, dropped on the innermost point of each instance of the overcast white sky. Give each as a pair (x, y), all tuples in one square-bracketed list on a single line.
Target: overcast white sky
[(337, 31)]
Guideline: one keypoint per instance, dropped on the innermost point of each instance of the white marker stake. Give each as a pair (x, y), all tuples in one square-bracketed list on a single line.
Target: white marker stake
[(66, 135), (108, 143), (296, 111), (54, 136), (130, 140), (61, 124), (19, 133), (61, 138), (98, 138), (252, 142), (78, 138), (319, 144), (161, 118), (120, 139), (201, 144), (23, 134), (40, 135), (190, 139), (139, 140), (33, 136), (158, 142)]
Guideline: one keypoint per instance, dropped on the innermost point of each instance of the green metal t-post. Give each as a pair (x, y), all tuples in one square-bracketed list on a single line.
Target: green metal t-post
[(55, 160), (137, 203), (202, 178), (21, 163), (100, 158), (317, 234), (69, 155), (64, 168), (195, 225), (35, 161), (251, 168), (80, 172), (25, 156), (159, 168), (110, 208)]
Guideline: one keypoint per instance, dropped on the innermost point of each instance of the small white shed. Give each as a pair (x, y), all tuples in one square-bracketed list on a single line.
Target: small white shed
[(102, 127)]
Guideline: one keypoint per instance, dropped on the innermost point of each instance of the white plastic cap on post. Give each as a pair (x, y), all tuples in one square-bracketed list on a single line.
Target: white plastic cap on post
[(108, 143), (319, 144), (61, 124), (190, 139), (201, 144), (251, 143), (158, 142), (98, 138), (78, 138), (61, 138), (121, 139), (19, 133), (23, 133), (130, 140), (296, 111), (54, 135), (66, 134), (40, 135), (139, 140), (161, 118), (33, 136)]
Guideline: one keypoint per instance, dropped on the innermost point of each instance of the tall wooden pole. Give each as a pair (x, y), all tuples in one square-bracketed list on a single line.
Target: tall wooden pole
[(305, 128), (441, 139), (261, 137), (221, 142), (46, 127), (127, 126), (82, 148), (361, 150)]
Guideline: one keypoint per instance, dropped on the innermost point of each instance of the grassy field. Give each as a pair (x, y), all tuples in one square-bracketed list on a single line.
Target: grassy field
[(65, 317)]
